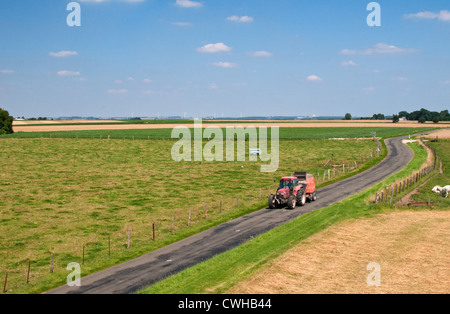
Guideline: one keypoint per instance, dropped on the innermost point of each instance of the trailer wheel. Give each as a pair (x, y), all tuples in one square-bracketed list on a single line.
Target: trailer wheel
[(272, 202), (314, 197), (292, 202)]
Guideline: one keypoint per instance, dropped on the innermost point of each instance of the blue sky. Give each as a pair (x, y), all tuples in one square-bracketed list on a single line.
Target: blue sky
[(230, 57)]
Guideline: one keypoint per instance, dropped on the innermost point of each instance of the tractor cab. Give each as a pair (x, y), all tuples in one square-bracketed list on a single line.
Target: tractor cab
[(288, 183)]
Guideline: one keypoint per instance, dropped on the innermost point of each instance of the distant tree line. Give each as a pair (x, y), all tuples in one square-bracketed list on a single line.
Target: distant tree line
[(39, 119), (376, 116), (424, 114), (6, 122)]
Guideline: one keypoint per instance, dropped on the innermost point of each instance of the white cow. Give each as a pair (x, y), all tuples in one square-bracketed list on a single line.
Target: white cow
[(442, 190)]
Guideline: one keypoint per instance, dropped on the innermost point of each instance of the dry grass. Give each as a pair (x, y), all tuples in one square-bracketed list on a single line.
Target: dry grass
[(441, 134), (411, 248)]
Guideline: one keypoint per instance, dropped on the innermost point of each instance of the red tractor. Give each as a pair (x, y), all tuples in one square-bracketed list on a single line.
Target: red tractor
[(294, 191)]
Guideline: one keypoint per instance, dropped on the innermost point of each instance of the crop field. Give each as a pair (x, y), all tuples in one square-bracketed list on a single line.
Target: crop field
[(94, 201), (285, 133)]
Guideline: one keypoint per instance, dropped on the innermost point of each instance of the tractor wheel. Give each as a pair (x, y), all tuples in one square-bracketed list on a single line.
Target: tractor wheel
[(292, 202), (302, 197), (272, 202)]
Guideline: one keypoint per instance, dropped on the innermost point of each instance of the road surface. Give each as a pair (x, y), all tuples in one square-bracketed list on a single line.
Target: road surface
[(144, 271)]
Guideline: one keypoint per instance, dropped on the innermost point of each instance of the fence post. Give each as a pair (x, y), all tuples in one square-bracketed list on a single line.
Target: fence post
[(53, 263), (153, 227), (29, 268), (6, 281)]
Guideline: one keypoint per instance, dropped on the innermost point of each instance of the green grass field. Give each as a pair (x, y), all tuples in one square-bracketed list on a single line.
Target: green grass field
[(58, 195), (285, 133), (222, 272), (425, 193)]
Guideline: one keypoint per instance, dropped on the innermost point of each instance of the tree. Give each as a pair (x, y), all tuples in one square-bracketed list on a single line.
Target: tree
[(348, 116), (6, 122), (379, 116), (422, 120), (436, 120), (396, 118), (403, 114)]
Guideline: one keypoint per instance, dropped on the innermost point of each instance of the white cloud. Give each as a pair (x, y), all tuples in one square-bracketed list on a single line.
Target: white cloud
[(213, 86), (368, 90), (147, 80), (400, 79), (348, 63), (68, 73), (63, 54), (214, 48), (151, 92), (117, 91), (261, 53), (443, 15), (314, 78), (226, 65), (182, 24), (6, 71), (188, 4), (381, 48), (130, 79), (240, 19)]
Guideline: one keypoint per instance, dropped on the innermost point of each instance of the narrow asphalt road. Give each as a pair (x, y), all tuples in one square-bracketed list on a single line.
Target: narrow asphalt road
[(144, 271)]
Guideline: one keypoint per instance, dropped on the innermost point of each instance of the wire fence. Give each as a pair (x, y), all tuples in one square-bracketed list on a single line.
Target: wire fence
[(390, 194)]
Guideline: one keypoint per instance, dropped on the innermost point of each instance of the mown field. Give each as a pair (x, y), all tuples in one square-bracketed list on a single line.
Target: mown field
[(66, 196)]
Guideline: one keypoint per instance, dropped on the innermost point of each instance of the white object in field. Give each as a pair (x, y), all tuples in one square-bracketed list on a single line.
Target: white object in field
[(443, 191), (255, 152)]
